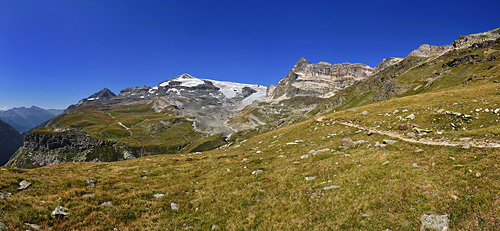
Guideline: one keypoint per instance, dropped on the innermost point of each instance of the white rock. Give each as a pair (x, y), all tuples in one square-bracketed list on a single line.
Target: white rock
[(158, 195), (304, 157), (308, 178), (411, 117), (107, 203), (330, 187), (174, 206), (24, 185), (415, 165), (60, 211), (258, 171)]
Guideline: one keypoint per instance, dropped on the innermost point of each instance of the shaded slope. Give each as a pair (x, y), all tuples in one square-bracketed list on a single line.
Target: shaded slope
[(10, 141)]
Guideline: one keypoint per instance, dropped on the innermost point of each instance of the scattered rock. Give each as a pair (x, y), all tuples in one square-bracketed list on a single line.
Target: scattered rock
[(364, 113), (330, 187), (403, 127), (347, 142), (34, 226), (410, 117), (214, 227), (158, 195), (2, 195), (107, 203), (304, 157), (389, 141), (466, 146), (385, 163), (308, 178), (174, 206), (377, 144), (261, 190), (244, 160), (145, 171), (415, 165), (258, 171), (434, 222), (259, 152), (88, 195), (419, 150), (24, 185), (128, 155), (90, 183), (60, 212), (478, 174)]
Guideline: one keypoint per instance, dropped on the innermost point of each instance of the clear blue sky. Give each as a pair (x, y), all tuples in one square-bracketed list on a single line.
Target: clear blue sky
[(54, 52)]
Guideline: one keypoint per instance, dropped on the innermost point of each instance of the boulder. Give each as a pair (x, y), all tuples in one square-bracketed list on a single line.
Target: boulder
[(60, 212), (434, 222), (24, 185), (174, 206), (347, 142)]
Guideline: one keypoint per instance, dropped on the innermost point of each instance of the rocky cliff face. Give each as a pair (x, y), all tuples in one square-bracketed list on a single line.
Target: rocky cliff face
[(42, 149), (319, 79), (461, 42)]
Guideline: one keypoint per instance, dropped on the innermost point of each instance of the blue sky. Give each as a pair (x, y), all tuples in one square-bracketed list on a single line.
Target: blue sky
[(53, 52)]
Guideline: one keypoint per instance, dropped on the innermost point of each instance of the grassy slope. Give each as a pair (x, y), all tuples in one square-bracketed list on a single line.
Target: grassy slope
[(217, 187)]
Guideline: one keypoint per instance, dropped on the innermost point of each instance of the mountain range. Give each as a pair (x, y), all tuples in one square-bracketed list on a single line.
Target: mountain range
[(187, 114), (24, 119), (411, 144)]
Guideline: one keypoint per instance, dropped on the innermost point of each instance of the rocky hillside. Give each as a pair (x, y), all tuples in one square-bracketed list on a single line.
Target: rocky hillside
[(24, 119), (187, 114), (183, 114), (10, 141), (318, 79)]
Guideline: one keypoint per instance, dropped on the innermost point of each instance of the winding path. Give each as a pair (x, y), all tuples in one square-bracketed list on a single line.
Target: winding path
[(427, 141)]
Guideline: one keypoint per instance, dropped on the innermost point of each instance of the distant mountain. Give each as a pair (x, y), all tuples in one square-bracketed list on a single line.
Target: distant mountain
[(23, 119), (10, 141)]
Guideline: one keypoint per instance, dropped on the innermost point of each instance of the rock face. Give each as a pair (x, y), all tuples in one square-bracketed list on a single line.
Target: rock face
[(319, 79), (427, 50), (41, 149), (387, 63), (465, 41), (103, 94), (10, 141)]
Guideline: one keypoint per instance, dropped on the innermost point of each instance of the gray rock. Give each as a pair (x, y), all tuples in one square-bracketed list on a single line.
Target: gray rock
[(347, 142), (145, 171), (127, 155), (158, 195), (60, 212), (386, 163), (3, 195), (330, 187), (174, 206), (411, 117), (34, 226), (388, 141), (107, 203), (3, 227), (256, 172), (88, 195), (24, 185), (308, 178), (364, 113), (419, 150), (90, 183), (434, 222), (415, 165)]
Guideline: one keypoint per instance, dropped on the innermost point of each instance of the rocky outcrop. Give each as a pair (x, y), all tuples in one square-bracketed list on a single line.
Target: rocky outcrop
[(102, 95), (319, 79), (42, 149), (426, 50), (466, 41), (386, 63), (10, 141)]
